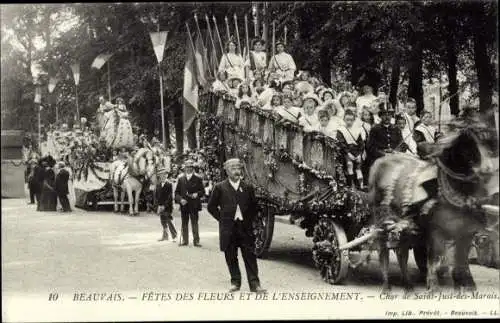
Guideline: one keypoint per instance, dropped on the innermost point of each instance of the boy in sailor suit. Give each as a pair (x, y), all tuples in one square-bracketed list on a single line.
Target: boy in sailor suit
[(352, 140)]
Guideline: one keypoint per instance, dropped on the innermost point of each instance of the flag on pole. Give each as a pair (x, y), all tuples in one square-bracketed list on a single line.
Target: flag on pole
[(52, 83), (190, 90), (159, 40), (100, 60), (38, 95), (211, 53), (76, 72), (201, 63)]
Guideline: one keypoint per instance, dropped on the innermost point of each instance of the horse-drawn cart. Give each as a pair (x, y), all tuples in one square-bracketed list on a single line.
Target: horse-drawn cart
[(93, 188), (294, 173), (301, 174)]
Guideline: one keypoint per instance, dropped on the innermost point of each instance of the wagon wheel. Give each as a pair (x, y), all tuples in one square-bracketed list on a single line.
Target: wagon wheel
[(263, 230), (332, 263), (91, 201)]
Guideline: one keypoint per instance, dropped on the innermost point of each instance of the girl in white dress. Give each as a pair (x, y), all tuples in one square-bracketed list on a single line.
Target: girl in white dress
[(288, 111), (117, 130), (309, 118)]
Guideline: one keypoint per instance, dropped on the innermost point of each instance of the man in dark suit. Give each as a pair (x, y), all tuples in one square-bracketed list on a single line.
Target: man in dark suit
[(164, 199), (36, 183), (384, 138), (62, 191), (233, 204), (29, 175), (188, 193)]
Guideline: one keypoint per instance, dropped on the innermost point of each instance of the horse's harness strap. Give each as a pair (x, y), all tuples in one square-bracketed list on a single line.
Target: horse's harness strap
[(453, 174)]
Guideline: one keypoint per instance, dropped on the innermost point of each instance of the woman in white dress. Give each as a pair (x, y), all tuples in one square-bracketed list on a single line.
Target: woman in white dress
[(232, 63), (117, 130)]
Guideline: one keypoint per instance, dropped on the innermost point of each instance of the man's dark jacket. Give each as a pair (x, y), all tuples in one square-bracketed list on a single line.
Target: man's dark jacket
[(222, 206), (62, 179), (185, 188), (37, 179), (164, 196)]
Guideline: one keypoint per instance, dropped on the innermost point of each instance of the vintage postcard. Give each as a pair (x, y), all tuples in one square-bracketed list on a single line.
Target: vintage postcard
[(249, 161)]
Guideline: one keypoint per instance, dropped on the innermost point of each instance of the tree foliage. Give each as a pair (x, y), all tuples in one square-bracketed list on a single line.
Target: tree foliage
[(408, 41)]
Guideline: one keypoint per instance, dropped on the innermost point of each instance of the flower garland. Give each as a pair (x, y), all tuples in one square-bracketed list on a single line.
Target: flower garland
[(337, 201)]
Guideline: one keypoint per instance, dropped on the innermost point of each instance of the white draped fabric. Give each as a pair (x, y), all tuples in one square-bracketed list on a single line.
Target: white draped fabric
[(284, 65), (233, 64), (429, 132), (290, 114)]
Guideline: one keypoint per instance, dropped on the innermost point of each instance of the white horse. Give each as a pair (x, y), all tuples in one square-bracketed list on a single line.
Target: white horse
[(129, 176)]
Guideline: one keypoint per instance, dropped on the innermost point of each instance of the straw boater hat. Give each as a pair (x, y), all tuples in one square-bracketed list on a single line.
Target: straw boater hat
[(162, 171), (232, 162), (313, 97)]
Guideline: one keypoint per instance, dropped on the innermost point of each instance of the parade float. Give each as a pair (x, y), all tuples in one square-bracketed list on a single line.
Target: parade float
[(91, 150), (297, 174), (294, 173)]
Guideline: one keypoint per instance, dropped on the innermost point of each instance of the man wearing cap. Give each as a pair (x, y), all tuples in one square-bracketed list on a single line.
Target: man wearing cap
[(282, 63), (384, 138), (233, 204), (62, 191), (165, 205), (188, 193)]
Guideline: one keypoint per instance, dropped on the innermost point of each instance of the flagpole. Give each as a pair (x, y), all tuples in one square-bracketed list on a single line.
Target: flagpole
[(218, 35), (247, 45), (227, 29), (237, 34), (285, 36), (39, 130), (163, 135), (255, 20), (77, 107), (202, 43), (274, 37), (212, 42), (109, 80), (192, 45)]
